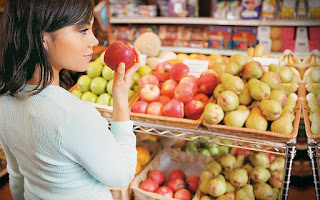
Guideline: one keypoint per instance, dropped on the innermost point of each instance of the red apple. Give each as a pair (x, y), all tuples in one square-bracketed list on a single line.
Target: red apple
[(193, 109), (177, 174), (192, 81), (168, 87), (162, 71), (165, 191), (140, 107), (149, 92), (149, 185), (183, 92), (176, 184), (238, 151), (208, 81), (164, 99), (155, 108), (193, 183), (178, 71), (157, 176), (201, 97), (173, 108), (148, 79), (119, 52), (182, 194)]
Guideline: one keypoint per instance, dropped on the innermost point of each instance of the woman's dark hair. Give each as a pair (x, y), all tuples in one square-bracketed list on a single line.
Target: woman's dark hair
[(21, 49)]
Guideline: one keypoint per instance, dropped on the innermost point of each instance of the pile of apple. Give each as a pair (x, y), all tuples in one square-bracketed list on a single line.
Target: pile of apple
[(254, 96), (243, 175), (170, 91), (177, 187)]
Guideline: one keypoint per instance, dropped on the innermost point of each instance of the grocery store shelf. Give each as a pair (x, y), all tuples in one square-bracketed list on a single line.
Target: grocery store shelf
[(211, 21)]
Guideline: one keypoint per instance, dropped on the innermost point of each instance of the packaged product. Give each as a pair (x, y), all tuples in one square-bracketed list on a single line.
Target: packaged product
[(288, 9), (268, 10), (177, 8), (163, 6), (121, 10), (220, 36), (194, 33), (145, 10), (170, 32), (193, 8), (234, 9), (301, 9), (123, 33), (314, 8), (244, 37), (251, 9), (143, 29), (221, 9)]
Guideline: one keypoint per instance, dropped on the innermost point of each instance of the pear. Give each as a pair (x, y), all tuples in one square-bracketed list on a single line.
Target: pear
[(318, 99), (259, 159), (214, 168), (213, 113), (275, 193), (233, 68), (228, 101), (255, 104), (205, 197), (217, 186), (227, 196), (245, 193), (312, 102), (289, 88), (315, 74), (227, 161), (314, 117), (283, 124), (232, 83), (291, 103), (244, 96), (226, 174), (272, 79), (240, 161), (313, 88), (260, 174), (238, 117), (262, 191), (205, 177), (230, 187), (252, 69), (307, 78), (258, 90), (248, 167), (256, 120), (276, 179), (279, 96), (239, 177), (277, 164), (217, 91), (274, 67), (240, 59), (271, 109), (286, 74)]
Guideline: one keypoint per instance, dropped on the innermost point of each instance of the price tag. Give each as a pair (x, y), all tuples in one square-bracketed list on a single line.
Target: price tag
[(196, 66), (267, 61)]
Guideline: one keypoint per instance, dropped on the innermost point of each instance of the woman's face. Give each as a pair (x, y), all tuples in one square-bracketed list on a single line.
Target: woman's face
[(70, 47)]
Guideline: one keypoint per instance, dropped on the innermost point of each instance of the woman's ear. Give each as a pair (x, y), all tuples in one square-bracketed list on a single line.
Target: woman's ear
[(45, 40)]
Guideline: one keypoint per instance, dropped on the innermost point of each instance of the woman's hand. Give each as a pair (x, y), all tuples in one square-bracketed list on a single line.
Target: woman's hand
[(121, 86)]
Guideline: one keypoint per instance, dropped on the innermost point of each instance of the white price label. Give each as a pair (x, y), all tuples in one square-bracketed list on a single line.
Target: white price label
[(267, 61), (196, 66)]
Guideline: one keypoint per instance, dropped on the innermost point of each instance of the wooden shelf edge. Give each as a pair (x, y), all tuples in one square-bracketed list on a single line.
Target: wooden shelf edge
[(212, 21)]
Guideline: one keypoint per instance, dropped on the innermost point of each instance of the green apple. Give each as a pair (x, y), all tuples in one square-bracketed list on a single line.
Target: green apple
[(94, 69), (111, 102), (136, 77), (214, 150), (98, 85), (84, 83), (205, 152), (107, 73), (136, 88), (131, 94), (101, 58), (89, 96), (144, 69), (109, 87), (103, 99), (77, 93)]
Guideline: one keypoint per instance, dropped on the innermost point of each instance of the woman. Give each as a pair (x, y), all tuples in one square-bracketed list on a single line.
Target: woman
[(58, 147)]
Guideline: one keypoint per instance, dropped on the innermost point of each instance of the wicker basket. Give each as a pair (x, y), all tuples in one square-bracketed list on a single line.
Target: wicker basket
[(177, 159), (163, 120), (262, 135), (105, 111)]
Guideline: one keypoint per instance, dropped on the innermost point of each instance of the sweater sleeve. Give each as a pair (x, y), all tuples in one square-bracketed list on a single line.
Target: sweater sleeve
[(16, 179), (109, 156)]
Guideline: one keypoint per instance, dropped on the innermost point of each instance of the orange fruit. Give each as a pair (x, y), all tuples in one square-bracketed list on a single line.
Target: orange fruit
[(138, 168), (143, 155)]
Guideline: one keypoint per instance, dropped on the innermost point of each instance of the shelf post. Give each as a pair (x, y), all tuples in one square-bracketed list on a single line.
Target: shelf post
[(290, 154), (313, 154)]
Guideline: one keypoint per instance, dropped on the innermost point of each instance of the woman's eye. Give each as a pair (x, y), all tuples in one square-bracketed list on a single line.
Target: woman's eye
[(84, 30)]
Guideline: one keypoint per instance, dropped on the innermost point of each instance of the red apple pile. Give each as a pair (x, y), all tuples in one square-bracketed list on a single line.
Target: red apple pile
[(177, 187), (171, 92)]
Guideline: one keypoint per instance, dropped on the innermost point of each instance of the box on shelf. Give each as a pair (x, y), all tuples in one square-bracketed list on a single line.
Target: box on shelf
[(287, 33), (276, 45), (193, 8), (314, 33), (288, 44), (244, 37), (263, 32), (177, 8), (269, 9), (314, 44), (251, 9), (266, 44), (301, 42), (220, 36)]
